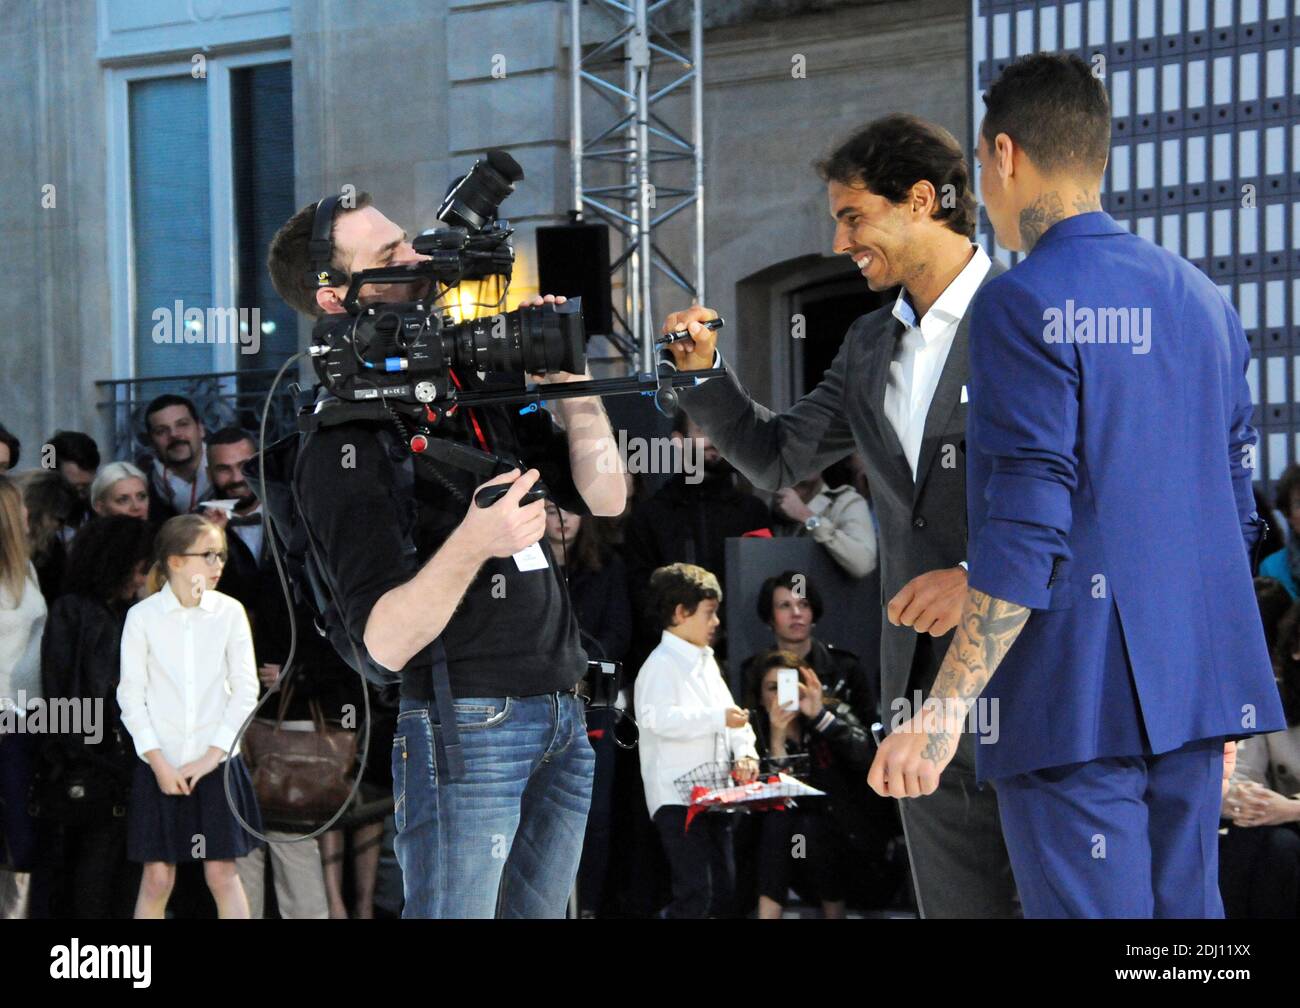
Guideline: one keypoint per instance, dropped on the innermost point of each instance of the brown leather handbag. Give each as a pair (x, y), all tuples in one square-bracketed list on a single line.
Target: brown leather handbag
[(301, 777)]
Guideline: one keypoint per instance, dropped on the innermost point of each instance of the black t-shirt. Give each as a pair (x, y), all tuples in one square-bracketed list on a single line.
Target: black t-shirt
[(514, 632)]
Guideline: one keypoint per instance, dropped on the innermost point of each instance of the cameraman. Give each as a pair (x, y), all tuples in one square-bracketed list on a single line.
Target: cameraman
[(505, 838)]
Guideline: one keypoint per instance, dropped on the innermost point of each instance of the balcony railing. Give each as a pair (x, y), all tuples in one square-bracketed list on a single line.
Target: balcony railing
[(222, 399)]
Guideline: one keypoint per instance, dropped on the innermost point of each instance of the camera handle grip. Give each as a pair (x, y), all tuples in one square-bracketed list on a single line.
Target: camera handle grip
[(489, 495)]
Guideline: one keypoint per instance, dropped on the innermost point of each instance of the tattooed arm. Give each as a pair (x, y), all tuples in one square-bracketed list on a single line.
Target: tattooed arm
[(1021, 431), (912, 757), (988, 628)]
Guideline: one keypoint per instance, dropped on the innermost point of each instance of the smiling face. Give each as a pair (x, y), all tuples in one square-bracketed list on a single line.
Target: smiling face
[(874, 233), (226, 471), (177, 437)]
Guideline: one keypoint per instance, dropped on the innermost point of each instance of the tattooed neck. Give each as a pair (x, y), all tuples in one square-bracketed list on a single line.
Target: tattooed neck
[(1086, 201), (1040, 215)]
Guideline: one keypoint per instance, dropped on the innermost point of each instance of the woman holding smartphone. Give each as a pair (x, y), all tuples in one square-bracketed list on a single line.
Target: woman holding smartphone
[(793, 716)]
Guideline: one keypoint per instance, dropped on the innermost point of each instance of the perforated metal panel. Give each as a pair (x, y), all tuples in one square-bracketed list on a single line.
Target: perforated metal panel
[(1205, 154)]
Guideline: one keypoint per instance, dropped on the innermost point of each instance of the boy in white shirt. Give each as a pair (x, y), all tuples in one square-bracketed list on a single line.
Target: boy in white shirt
[(687, 718)]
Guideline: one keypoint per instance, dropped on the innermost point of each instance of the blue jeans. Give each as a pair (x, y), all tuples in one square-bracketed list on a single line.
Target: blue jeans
[(506, 840)]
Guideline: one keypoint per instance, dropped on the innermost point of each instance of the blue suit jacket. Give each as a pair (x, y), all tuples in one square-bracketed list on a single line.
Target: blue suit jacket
[(1109, 466)]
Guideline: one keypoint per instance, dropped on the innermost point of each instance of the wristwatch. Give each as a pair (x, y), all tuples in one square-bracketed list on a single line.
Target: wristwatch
[(811, 523)]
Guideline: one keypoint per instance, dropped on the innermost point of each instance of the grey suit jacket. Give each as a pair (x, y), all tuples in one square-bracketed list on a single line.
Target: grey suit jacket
[(922, 521)]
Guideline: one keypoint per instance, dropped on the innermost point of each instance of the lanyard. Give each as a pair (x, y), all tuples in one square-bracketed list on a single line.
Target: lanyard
[(478, 431)]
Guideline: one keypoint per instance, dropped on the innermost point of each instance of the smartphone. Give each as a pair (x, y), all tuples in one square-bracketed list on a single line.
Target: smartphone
[(787, 689)]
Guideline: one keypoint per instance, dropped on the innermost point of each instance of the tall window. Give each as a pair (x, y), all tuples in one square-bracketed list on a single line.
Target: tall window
[(204, 151), (171, 226), (261, 120)]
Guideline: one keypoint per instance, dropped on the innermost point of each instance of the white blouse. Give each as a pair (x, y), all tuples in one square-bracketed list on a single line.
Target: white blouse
[(22, 622), (189, 678)]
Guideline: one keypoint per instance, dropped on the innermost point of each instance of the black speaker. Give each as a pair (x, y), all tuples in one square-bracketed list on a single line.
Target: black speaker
[(573, 260)]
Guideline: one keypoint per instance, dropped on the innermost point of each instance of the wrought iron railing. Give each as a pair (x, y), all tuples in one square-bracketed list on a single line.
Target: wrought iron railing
[(222, 399)]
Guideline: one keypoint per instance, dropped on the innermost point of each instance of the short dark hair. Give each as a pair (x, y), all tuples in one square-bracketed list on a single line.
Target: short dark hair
[(161, 402), (786, 579), (289, 259), (891, 154), (74, 446), (105, 553), (15, 446), (679, 584), (1055, 109), (231, 435)]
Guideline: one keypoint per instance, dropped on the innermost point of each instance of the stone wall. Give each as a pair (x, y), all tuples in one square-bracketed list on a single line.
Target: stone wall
[(397, 97)]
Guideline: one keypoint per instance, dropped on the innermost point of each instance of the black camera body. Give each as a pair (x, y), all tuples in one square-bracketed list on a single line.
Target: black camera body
[(402, 350)]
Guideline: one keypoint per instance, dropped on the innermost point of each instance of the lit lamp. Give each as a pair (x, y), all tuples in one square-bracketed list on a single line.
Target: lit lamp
[(467, 308), (475, 299)]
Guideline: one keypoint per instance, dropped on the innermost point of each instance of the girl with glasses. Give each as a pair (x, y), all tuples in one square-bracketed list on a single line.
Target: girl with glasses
[(189, 680)]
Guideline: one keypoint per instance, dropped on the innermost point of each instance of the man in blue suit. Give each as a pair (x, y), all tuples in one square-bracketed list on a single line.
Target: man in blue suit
[(1109, 466)]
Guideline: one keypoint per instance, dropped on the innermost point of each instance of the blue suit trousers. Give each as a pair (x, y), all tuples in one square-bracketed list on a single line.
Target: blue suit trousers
[(1127, 836)]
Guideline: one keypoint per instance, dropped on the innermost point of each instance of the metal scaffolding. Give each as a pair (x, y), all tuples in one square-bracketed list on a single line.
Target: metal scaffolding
[(637, 146)]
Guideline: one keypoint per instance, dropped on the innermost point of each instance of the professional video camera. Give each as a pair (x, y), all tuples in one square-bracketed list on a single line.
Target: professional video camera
[(388, 362), (400, 351)]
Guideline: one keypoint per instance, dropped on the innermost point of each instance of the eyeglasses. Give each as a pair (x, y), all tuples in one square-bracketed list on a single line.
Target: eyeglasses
[(213, 557)]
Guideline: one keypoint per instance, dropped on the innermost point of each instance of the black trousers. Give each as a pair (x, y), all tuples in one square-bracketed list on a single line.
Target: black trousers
[(1259, 871), (701, 861), (960, 865), (594, 868), (92, 878), (800, 848)]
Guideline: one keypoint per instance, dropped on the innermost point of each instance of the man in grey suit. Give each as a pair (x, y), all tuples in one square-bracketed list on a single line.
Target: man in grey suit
[(899, 192)]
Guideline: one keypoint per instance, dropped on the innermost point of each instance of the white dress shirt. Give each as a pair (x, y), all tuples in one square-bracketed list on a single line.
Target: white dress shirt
[(188, 674), (681, 705), (922, 352), (251, 535)]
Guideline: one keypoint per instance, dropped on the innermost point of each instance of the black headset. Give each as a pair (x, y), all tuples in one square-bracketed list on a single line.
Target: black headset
[(320, 249)]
